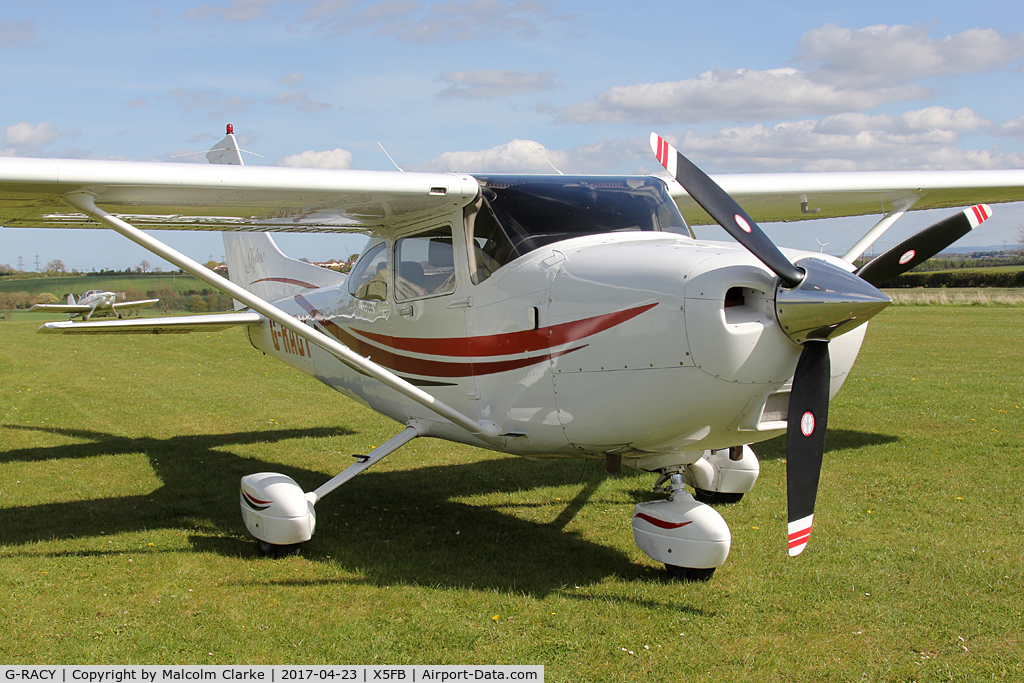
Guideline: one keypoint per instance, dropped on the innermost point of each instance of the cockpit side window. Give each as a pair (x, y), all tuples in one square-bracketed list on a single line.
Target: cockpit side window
[(426, 264), (369, 278), (489, 246)]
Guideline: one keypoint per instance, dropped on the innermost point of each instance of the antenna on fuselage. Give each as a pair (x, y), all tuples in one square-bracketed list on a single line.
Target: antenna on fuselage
[(389, 157), (541, 153)]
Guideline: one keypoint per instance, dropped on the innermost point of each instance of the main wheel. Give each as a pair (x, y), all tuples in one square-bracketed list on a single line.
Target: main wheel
[(689, 573), (278, 551), (716, 497)]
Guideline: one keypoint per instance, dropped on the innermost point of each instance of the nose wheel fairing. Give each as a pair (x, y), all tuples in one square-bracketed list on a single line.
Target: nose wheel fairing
[(682, 533)]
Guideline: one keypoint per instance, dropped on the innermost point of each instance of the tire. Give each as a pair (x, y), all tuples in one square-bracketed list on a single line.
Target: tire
[(278, 551), (716, 497), (689, 574)]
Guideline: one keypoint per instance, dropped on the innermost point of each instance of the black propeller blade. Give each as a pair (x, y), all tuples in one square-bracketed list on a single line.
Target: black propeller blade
[(805, 439), (726, 212), (814, 304), (925, 244)]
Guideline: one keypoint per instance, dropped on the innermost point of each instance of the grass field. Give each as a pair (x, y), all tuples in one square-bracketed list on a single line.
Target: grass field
[(991, 269), (121, 540), (956, 296), (61, 286)]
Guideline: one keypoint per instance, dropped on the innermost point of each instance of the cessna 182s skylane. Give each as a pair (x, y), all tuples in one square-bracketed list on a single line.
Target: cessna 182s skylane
[(541, 316)]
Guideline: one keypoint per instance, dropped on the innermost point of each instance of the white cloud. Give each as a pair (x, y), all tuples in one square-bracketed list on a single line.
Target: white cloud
[(528, 156), (517, 156), (216, 104), (1013, 128), (17, 33), (333, 158), (414, 22), (731, 95), (236, 11), (879, 55), (293, 78), (22, 136), (300, 99), (491, 83), (850, 70), (923, 139)]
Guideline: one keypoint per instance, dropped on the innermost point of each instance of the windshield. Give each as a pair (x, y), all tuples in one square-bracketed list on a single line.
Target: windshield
[(517, 214)]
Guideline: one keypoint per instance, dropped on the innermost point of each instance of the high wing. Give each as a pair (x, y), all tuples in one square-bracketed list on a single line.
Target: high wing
[(770, 197), (175, 196), (171, 325)]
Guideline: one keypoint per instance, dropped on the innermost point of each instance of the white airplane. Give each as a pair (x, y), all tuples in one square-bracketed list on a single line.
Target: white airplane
[(92, 301), (541, 316)]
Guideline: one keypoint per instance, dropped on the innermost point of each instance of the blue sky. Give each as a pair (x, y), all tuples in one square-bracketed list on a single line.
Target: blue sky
[(475, 85)]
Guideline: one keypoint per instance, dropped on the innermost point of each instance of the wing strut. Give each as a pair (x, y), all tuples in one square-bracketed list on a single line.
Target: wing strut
[(899, 208), (86, 202)]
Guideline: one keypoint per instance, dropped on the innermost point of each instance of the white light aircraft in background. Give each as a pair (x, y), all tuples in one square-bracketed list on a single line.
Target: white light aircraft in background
[(94, 301), (542, 316)]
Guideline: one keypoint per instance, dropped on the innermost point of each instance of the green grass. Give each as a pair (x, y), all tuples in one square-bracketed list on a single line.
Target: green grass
[(76, 284), (121, 541), (981, 269), (957, 296)]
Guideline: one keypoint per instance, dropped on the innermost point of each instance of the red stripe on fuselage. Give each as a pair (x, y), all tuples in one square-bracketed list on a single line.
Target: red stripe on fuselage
[(510, 343), (285, 280), (418, 366)]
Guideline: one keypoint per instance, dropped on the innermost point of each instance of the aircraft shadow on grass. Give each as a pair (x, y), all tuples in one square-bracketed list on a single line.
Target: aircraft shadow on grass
[(394, 527), (836, 441)]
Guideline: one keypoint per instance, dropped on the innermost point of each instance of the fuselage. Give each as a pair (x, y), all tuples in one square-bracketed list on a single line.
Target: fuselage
[(634, 342), (98, 299)]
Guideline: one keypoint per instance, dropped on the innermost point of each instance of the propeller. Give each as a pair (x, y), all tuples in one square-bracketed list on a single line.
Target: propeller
[(923, 245), (815, 301)]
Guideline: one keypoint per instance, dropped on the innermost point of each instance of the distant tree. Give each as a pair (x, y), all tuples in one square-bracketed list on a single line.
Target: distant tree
[(144, 265), (56, 266), (196, 304), (212, 265), (46, 298), (1020, 237), (304, 259)]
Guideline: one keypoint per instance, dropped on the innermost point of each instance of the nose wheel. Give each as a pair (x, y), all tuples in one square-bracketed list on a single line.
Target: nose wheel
[(277, 551), (689, 574)]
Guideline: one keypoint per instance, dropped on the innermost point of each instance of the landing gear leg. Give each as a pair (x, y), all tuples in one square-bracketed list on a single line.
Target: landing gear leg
[(281, 516)]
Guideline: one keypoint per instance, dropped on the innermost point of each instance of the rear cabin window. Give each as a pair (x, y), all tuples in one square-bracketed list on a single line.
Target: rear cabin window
[(369, 278), (515, 215)]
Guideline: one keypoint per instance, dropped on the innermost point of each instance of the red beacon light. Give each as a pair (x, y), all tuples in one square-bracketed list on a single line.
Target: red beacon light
[(231, 129)]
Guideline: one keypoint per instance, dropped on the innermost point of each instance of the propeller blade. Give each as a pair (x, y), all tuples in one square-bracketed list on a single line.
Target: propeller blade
[(726, 212), (923, 245), (805, 439)]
